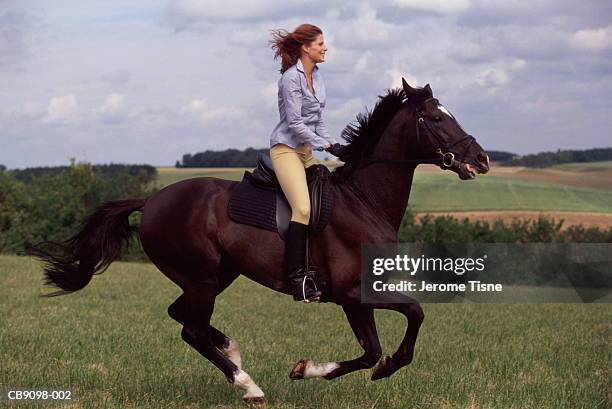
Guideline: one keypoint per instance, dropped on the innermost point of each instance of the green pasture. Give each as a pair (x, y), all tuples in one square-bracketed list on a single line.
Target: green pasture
[(114, 344), (443, 191)]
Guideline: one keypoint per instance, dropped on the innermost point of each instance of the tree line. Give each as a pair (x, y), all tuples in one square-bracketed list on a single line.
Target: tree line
[(248, 158), (544, 159)]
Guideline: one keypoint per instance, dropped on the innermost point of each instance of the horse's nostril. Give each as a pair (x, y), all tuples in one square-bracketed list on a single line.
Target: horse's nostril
[(481, 158)]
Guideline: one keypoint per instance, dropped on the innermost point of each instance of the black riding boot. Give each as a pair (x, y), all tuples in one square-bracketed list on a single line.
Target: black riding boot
[(301, 283)]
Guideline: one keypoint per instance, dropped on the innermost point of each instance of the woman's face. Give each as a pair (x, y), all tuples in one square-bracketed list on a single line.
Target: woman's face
[(316, 50)]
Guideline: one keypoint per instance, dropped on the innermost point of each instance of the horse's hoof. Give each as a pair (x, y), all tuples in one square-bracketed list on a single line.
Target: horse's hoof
[(384, 369), (255, 402), (298, 370)]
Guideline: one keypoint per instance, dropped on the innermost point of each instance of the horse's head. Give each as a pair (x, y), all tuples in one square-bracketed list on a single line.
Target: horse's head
[(441, 137)]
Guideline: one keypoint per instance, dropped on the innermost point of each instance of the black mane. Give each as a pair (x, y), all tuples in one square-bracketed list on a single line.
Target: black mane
[(363, 136)]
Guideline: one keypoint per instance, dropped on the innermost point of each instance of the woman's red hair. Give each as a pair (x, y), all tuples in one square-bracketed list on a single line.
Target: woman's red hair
[(288, 46)]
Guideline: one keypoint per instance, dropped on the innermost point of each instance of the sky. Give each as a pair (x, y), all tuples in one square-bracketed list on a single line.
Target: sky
[(146, 81)]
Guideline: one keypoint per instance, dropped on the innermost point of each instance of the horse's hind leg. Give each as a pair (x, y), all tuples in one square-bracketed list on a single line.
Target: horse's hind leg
[(178, 311), (197, 332)]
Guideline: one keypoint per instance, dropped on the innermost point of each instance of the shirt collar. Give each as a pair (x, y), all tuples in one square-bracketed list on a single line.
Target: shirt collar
[(300, 66)]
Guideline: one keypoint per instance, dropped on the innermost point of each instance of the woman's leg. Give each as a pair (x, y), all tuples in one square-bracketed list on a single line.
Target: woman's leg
[(291, 175)]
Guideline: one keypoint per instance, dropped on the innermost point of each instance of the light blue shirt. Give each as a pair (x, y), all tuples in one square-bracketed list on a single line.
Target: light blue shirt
[(300, 111)]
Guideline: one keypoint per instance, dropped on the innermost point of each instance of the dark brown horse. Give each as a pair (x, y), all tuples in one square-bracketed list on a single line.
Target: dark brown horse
[(186, 232)]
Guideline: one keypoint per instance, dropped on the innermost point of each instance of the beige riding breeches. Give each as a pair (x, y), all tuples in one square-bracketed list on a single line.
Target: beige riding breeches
[(289, 165)]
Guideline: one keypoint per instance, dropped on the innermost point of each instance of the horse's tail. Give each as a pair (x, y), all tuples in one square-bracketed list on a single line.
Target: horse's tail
[(99, 241)]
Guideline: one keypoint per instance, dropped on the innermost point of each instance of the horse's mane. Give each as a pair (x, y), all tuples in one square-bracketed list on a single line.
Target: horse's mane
[(363, 136)]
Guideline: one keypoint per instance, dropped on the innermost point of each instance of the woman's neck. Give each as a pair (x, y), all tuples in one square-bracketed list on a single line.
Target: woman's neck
[(308, 65)]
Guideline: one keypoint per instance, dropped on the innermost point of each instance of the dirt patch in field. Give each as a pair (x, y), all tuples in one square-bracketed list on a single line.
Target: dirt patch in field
[(601, 220), (595, 178)]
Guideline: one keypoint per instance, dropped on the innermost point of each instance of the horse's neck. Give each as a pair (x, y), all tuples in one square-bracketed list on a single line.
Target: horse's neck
[(386, 187)]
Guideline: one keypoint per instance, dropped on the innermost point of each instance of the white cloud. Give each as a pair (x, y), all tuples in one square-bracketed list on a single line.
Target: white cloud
[(190, 11), (61, 109), (593, 39), (364, 31), (362, 62), (395, 78), (201, 109), (500, 73), (114, 104), (113, 109), (437, 6), (347, 111)]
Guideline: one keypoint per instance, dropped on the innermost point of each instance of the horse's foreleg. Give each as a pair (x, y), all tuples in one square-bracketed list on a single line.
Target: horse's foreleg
[(361, 319), (404, 354)]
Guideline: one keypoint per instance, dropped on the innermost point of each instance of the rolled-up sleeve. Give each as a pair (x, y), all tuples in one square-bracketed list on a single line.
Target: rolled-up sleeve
[(291, 92)]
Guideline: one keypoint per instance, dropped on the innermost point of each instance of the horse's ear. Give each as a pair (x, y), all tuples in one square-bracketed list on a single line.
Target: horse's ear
[(428, 91), (408, 90)]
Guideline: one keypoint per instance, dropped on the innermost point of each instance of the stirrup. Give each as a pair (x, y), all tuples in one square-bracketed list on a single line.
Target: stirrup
[(315, 294)]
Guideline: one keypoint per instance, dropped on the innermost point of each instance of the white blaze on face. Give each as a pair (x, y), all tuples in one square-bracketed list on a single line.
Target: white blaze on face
[(443, 109), (313, 370)]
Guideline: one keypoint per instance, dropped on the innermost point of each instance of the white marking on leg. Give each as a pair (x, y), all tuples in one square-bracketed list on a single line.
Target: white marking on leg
[(313, 370), (243, 381), (232, 352)]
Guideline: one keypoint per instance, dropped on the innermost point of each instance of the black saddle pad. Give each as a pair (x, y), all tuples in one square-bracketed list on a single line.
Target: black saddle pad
[(255, 206), (267, 208)]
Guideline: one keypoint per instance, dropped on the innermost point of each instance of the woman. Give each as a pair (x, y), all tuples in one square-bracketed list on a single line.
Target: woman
[(301, 99)]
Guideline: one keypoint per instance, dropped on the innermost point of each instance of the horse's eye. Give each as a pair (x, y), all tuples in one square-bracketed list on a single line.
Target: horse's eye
[(437, 119)]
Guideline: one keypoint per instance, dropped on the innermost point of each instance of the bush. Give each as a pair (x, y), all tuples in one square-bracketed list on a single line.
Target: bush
[(447, 229), (51, 205)]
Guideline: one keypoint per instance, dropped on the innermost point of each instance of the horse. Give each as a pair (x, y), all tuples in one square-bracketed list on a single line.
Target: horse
[(186, 232)]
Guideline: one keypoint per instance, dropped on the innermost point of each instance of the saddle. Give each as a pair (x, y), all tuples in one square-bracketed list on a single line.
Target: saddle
[(259, 201)]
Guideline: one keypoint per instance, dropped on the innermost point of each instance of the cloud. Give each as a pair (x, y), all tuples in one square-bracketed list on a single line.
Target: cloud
[(190, 14), (61, 109), (201, 109), (113, 109), (593, 39), (116, 78), (365, 31), (15, 37), (436, 6)]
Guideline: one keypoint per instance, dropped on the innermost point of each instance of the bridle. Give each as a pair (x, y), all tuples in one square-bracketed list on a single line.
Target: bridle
[(444, 158)]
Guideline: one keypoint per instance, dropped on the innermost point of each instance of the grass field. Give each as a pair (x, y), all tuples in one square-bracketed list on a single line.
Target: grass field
[(504, 189), (114, 344)]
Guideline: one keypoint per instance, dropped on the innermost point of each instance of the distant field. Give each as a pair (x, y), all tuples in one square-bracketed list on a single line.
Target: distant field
[(114, 344), (586, 165), (505, 188), (586, 219)]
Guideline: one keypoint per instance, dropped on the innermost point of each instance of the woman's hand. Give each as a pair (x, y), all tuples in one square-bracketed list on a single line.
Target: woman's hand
[(336, 150)]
